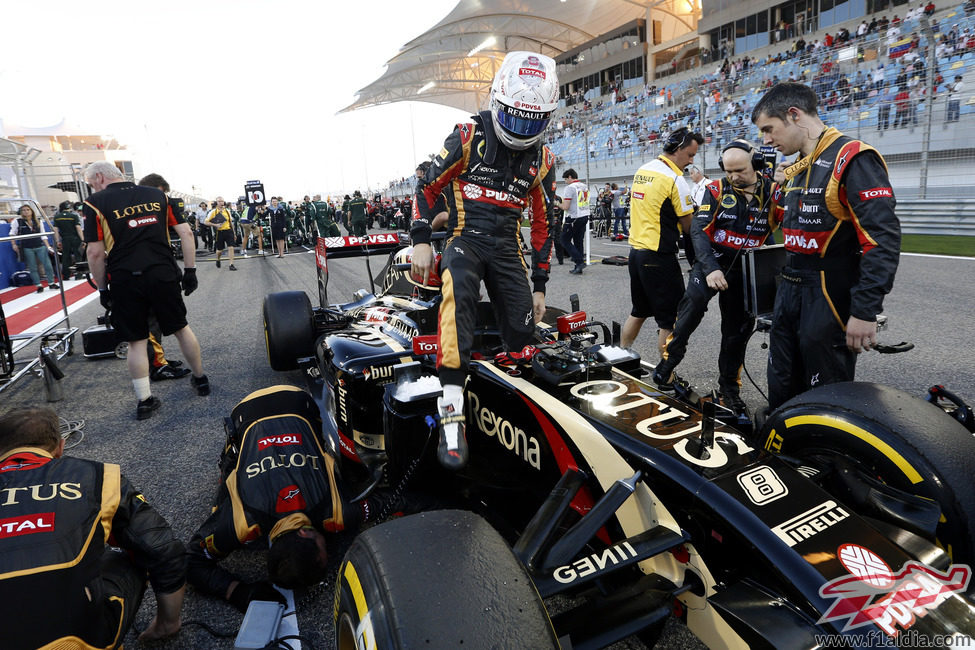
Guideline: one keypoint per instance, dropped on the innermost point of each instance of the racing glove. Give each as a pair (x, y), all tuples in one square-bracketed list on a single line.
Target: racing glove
[(245, 592), (105, 297), (190, 283)]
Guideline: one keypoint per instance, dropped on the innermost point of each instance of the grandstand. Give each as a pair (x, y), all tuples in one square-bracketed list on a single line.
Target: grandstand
[(611, 121)]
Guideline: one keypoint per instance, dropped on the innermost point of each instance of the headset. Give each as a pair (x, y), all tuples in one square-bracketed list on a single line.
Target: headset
[(676, 139), (758, 159)]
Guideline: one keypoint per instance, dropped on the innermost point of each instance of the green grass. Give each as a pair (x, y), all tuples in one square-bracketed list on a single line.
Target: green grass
[(939, 244)]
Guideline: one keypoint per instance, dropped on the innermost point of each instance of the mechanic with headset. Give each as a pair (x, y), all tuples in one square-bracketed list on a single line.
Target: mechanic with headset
[(842, 240), (492, 168), (660, 199), (77, 544), (279, 484), (735, 215)]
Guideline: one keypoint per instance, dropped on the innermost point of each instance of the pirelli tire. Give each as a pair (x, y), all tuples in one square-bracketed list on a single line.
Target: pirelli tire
[(440, 579), (289, 328), (904, 441)]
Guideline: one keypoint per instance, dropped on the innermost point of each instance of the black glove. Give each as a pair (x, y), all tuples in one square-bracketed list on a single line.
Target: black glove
[(105, 297), (190, 282), (245, 592)]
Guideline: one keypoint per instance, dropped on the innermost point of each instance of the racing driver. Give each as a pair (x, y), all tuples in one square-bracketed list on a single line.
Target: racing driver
[(842, 240), (489, 169), (734, 216)]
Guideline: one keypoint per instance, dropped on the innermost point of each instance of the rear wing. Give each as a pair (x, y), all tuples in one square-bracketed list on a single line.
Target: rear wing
[(327, 248)]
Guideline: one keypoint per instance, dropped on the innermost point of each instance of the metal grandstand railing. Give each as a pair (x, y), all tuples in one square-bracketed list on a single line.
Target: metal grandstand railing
[(887, 106)]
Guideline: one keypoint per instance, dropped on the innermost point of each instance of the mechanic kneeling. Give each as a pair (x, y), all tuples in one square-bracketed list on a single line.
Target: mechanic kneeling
[(63, 581), (280, 485)]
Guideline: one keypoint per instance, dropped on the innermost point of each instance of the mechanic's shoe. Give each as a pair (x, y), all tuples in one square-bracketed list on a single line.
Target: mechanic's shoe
[(175, 363), (668, 380), (736, 404), (201, 384), (168, 372), (578, 269), (452, 450), (145, 408), (53, 287), (232, 267), (218, 262)]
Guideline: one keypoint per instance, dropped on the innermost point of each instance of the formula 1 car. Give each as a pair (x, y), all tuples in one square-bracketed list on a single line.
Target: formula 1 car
[(847, 518)]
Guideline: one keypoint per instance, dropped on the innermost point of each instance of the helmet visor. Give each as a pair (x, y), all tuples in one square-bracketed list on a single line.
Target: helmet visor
[(521, 122)]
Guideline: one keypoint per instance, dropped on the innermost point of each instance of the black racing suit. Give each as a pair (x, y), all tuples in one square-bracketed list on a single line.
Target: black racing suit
[(843, 243), (725, 225), (487, 186), (58, 520), (278, 467)]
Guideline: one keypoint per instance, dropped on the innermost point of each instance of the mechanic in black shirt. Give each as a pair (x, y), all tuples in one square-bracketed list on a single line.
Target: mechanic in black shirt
[(77, 543), (126, 227), (734, 216), (489, 170), (280, 485), (842, 239)]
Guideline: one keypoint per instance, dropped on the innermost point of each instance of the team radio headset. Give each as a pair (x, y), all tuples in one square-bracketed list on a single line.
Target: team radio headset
[(758, 164)]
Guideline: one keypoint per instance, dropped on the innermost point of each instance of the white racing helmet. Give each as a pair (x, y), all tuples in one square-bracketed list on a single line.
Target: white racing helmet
[(524, 95)]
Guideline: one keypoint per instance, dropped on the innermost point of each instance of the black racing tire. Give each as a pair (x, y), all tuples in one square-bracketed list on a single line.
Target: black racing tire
[(289, 329), (887, 434), (440, 579)]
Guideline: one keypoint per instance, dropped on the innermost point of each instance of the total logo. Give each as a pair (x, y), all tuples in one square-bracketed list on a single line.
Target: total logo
[(27, 524), (279, 440), (876, 193), (425, 345), (473, 191)]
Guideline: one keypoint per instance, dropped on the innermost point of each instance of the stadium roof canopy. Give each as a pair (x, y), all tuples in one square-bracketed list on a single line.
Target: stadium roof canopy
[(454, 62)]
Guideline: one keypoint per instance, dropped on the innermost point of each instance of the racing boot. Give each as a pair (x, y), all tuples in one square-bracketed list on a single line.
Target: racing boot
[(452, 450)]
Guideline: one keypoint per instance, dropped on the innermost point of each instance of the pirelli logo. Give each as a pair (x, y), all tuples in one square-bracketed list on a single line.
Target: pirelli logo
[(813, 521)]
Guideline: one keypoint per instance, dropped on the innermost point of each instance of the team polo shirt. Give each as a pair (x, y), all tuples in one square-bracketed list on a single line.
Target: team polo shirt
[(133, 221), (578, 195), (660, 196), (220, 218)]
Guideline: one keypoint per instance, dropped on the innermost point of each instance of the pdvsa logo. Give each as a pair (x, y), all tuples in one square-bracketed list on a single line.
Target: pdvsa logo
[(472, 192), (279, 441), (799, 241)]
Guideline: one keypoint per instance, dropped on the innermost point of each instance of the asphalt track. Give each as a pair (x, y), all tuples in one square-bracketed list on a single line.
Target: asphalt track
[(172, 456)]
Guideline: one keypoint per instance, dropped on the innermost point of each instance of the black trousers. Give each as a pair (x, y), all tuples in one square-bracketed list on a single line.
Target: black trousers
[(121, 587), (807, 344), (573, 238), (736, 326), (498, 261)]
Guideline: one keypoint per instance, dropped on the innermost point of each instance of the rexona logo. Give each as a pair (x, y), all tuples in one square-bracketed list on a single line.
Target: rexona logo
[(813, 521), (876, 193), (595, 562), (279, 441), (512, 438), (27, 524)]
